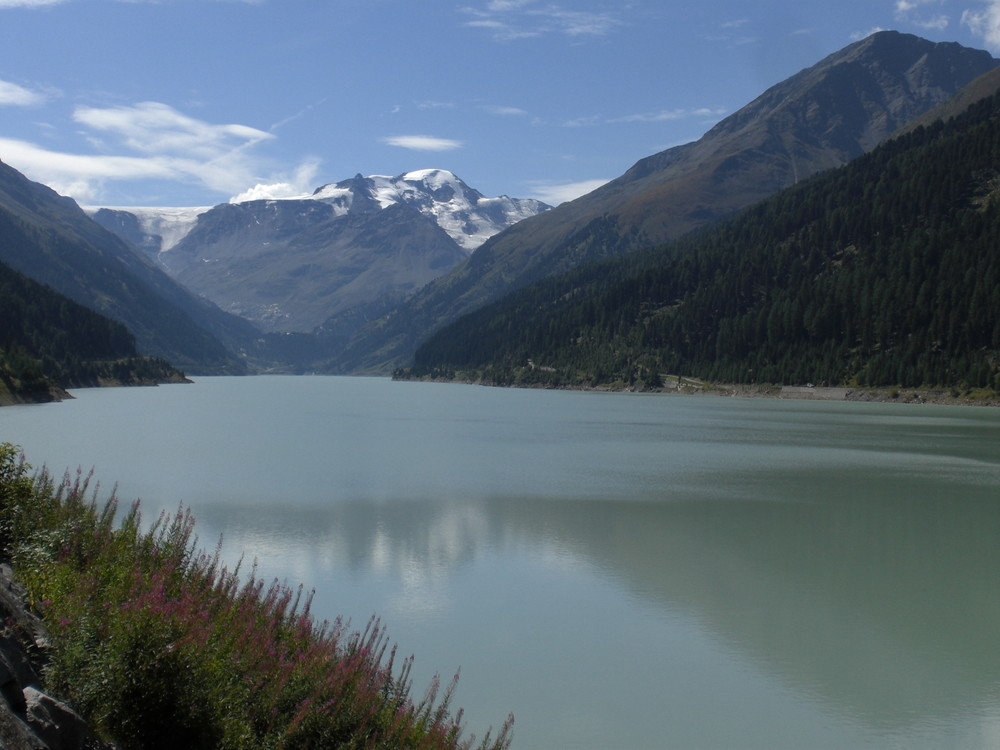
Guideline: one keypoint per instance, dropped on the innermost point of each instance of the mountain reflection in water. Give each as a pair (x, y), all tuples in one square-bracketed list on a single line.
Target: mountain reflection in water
[(884, 610)]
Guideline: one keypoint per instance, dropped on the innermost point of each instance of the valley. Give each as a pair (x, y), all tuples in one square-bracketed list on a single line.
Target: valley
[(370, 274)]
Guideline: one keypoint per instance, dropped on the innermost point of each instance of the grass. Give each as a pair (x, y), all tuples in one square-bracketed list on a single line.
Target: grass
[(158, 645)]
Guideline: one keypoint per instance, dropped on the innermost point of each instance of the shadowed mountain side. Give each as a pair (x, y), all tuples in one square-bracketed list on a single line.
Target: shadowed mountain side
[(307, 263), (986, 85), (880, 273), (48, 238), (820, 118)]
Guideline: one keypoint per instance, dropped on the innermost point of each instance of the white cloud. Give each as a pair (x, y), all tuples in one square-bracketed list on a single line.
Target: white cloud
[(80, 176), (28, 3), (17, 96), (907, 12), (937, 22), (585, 121), (301, 185), (155, 128), (985, 23), (423, 143), (153, 141), (505, 111), (859, 35), (435, 105), (520, 19), (556, 193)]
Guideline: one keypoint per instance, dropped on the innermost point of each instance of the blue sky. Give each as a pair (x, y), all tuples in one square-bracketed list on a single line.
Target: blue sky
[(194, 102)]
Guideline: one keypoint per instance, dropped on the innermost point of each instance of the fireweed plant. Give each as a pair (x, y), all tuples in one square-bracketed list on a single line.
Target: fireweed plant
[(158, 645)]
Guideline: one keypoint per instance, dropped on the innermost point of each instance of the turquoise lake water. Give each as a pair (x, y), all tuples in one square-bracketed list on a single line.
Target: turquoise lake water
[(618, 570)]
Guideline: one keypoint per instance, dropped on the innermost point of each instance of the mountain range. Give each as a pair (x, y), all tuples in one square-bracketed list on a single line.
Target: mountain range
[(819, 118), (288, 265), (353, 277), (884, 271)]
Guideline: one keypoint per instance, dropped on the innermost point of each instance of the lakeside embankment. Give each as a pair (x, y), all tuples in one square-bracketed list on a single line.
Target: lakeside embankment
[(678, 385)]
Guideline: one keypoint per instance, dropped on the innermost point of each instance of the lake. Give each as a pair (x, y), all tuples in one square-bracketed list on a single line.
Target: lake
[(620, 571)]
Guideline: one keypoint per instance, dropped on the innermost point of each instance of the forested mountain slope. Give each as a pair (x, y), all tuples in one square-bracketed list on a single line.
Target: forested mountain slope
[(819, 118), (883, 272), (48, 341)]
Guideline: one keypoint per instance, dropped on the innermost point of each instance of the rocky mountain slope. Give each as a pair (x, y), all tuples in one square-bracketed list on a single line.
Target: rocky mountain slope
[(290, 264), (819, 118)]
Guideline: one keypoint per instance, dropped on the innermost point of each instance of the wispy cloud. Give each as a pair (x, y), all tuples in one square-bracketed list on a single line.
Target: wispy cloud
[(152, 141), (584, 121), (155, 128), (663, 115), (83, 176), (494, 109), (44, 3), (729, 32), (668, 115), (292, 118), (432, 104), (913, 12), (859, 35), (12, 95), (985, 23), (423, 142), (520, 19), (28, 3), (556, 193)]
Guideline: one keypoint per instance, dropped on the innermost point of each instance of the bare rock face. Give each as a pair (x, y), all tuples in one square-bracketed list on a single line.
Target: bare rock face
[(30, 719), (58, 726)]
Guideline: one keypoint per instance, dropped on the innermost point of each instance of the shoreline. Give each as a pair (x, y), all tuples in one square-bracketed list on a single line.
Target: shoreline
[(693, 387)]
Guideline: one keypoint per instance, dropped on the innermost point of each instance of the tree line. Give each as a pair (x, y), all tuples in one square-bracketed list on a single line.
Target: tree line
[(46, 339), (883, 272)]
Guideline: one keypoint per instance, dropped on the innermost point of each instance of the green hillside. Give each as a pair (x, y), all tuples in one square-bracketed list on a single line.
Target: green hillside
[(820, 118), (48, 342), (883, 272)]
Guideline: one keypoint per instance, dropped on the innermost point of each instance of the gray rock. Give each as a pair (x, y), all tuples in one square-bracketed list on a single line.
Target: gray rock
[(59, 726)]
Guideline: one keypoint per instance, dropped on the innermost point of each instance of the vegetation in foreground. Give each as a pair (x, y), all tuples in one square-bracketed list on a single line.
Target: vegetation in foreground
[(158, 645)]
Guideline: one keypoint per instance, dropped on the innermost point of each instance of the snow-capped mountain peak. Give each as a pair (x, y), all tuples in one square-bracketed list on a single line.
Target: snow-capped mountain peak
[(464, 213), (469, 217)]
